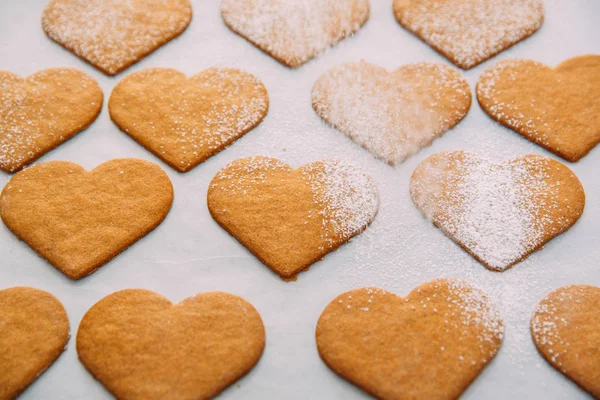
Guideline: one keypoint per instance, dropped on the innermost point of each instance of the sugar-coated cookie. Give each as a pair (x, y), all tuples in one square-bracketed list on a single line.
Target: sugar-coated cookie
[(294, 32), (39, 112), (429, 345), (499, 213), (141, 346), (557, 108), (392, 114), (34, 331), (114, 34), (566, 330), (79, 220), (186, 120), (290, 218), (468, 32)]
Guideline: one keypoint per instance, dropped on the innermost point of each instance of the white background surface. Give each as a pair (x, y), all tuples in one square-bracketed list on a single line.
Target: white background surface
[(188, 253)]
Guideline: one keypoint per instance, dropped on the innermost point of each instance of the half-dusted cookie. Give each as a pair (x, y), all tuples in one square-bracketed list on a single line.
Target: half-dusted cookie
[(566, 330), (557, 108), (499, 213), (429, 345), (392, 114), (186, 120), (114, 34), (468, 32), (40, 112), (290, 218), (294, 32), (35, 330), (79, 220), (141, 346)]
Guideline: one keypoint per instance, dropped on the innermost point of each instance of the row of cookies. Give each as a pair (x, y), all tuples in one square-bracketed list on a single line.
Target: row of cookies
[(141, 346)]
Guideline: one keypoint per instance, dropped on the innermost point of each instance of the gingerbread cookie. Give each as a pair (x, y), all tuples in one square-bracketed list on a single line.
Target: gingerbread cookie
[(141, 346), (35, 330), (186, 120), (429, 345), (557, 108), (290, 218), (566, 330), (41, 111), (468, 32), (499, 213), (392, 114), (79, 220), (294, 32), (114, 34)]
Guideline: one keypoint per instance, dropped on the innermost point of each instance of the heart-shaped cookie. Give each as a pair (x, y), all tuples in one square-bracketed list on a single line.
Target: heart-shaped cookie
[(34, 329), (291, 218), (41, 111), (79, 220), (429, 345), (566, 330), (468, 32), (499, 213), (294, 32), (557, 108), (141, 346), (114, 34), (392, 114), (186, 120)]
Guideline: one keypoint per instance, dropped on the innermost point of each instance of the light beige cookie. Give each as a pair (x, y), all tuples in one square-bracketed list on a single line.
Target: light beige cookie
[(294, 32), (141, 346), (79, 220), (290, 218), (114, 34), (429, 345), (566, 330), (186, 120), (34, 331), (468, 32), (557, 108), (40, 112), (499, 213), (392, 114)]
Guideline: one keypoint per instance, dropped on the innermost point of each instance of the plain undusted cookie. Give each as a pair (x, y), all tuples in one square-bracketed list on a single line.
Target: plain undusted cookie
[(41, 111), (294, 32), (114, 34), (186, 120), (557, 108), (141, 346), (429, 345), (499, 213), (468, 32), (79, 220), (34, 332), (392, 114), (290, 218), (566, 330)]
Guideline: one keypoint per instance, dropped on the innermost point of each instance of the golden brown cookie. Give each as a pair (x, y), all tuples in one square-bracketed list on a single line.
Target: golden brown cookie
[(468, 32), (290, 218), (141, 346), (186, 120), (392, 114), (429, 345), (80, 220), (41, 111), (114, 34), (498, 213), (34, 331), (294, 32), (566, 330), (557, 108)]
